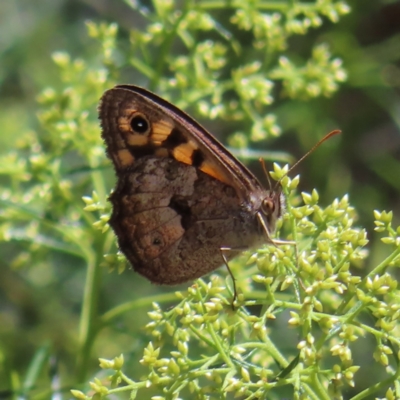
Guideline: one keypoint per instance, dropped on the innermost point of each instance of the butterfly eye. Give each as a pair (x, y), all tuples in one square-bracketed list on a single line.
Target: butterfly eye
[(268, 206), (140, 124)]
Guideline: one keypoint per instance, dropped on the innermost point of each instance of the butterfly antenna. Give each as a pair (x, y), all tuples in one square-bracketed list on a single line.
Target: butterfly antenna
[(265, 172), (326, 137)]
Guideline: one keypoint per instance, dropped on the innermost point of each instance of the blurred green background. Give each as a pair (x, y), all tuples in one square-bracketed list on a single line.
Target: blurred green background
[(40, 306)]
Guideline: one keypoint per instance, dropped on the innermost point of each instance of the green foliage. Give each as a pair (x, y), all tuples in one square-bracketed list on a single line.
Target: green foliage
[(203, 348), (220, 73), (228, 63)]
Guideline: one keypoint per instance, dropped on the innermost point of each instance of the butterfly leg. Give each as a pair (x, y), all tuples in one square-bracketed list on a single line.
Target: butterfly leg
[(222, 249), (278, 242), (275, 242)]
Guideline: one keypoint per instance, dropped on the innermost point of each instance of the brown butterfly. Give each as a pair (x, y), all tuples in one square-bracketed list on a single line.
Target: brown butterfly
[(183, 205)]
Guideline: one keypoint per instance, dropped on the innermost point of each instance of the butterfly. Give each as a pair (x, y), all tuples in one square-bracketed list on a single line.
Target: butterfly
[(183, 205)]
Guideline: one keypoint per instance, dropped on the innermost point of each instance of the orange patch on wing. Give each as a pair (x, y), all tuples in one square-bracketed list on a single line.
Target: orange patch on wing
[(124, 125), (212, 170), (137, 140), (183, 152), (123, 158), (161, 130)]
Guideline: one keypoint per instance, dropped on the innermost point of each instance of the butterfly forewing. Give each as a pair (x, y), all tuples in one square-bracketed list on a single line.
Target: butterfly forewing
[(172, 133)]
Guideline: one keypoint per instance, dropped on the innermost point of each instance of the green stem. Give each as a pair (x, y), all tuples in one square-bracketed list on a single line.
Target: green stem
[(318, 388), (89, 315), (293, 226), (162, 55), (217, 343), (377, 387), (110, 315), (269, 5), (376, 271), (379, 269), (270, 348)]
